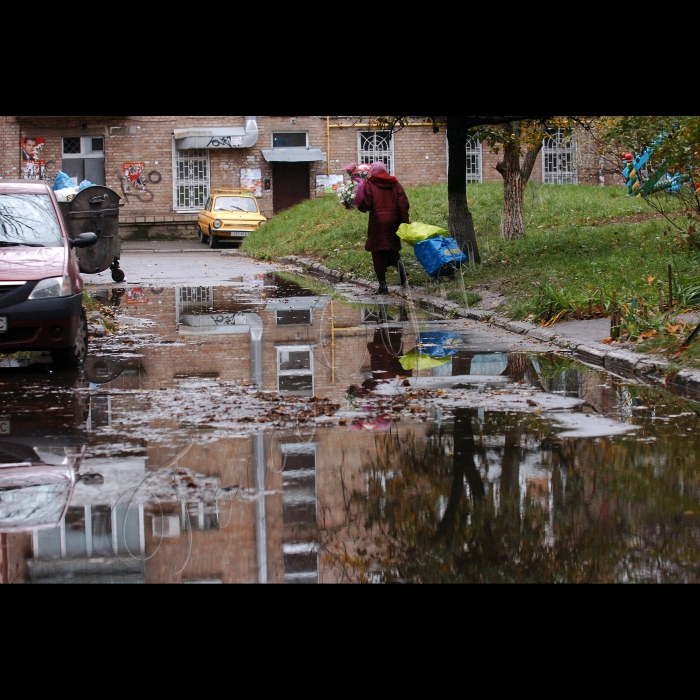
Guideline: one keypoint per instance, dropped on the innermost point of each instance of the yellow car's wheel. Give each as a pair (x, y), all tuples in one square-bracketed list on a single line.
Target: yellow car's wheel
[(213, 240), (203, 238)]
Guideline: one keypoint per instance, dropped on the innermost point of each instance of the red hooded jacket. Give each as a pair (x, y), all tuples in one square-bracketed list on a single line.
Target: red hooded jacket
[(387, 204)]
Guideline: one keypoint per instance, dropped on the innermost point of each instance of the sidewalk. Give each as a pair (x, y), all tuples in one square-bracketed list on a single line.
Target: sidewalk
[(179, 246)]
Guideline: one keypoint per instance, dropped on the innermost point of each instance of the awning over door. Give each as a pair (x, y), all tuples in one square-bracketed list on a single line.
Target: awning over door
[(219, 136), (292, 155)]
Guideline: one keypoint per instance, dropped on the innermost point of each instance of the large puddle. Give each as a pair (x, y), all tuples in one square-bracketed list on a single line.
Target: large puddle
[(263, 431)]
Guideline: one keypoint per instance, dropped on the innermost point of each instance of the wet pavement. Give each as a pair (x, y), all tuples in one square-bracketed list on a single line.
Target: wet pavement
[(257, 427)]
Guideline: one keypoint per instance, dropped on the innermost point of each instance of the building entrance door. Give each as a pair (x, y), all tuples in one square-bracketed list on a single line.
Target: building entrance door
[(290, 185)]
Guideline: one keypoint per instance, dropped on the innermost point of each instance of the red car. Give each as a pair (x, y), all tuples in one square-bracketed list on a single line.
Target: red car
[(41, 290)]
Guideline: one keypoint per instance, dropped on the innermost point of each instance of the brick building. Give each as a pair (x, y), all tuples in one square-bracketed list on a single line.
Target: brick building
[(163, 167)]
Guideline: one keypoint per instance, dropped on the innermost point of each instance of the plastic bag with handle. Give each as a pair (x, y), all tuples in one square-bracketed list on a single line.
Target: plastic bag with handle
[(417, 231)]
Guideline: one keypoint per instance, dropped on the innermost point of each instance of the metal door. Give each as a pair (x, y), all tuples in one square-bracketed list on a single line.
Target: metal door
[(290, 182)]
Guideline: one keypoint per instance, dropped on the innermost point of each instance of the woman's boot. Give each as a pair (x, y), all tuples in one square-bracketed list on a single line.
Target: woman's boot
[(383, 289)]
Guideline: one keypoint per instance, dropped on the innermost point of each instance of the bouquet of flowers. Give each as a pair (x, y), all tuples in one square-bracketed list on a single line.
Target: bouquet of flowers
[(350, 195)]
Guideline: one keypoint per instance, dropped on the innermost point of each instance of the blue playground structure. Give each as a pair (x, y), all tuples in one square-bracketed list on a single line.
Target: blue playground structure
[(640, 184)]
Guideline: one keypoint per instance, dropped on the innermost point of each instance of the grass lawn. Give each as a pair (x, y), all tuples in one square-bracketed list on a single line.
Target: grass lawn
[(582, 241)]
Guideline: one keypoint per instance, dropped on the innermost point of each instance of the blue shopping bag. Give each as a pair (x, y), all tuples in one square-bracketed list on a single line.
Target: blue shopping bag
[(439, 256), (439, 343)]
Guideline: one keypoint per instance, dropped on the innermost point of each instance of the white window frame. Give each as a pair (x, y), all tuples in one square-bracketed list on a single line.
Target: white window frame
[(296, 372), (85, 147), (371, 155), (475, 152), (114, 535), (201, 154), (557, 148), (193, 299)]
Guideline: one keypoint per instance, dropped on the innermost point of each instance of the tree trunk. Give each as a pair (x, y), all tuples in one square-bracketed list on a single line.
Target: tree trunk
[(513, 225), (460, 223), (515, 179)]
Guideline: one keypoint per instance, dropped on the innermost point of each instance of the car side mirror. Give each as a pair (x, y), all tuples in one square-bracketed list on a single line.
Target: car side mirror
[(83, 240)]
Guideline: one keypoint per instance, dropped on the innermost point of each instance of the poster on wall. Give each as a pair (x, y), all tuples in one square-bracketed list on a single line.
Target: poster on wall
[(328, 184), (32, 164), (251, 180), (133, 178), (136, 295)]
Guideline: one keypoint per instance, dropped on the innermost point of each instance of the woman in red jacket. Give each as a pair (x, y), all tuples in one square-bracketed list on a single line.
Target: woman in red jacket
[(387, 204)]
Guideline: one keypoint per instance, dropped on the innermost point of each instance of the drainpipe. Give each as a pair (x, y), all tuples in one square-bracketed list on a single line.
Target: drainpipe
[(256, 331), (260, 506), (251, 132), (328, 145)]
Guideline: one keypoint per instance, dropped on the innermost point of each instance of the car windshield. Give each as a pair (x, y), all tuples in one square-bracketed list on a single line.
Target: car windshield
[(28, 220), (236, 204)]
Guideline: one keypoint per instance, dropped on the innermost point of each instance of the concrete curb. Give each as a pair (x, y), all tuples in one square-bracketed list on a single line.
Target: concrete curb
[(618, 361)]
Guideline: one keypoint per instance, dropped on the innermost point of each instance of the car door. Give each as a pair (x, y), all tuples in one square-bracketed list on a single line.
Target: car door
[(204, 218)]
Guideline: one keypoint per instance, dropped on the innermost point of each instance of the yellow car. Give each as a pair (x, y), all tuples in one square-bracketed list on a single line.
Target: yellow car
[(229, 215)]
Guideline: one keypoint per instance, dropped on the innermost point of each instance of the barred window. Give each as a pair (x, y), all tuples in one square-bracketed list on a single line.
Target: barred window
[(559, 159), (376, 146), (474, 160), (191, 179)]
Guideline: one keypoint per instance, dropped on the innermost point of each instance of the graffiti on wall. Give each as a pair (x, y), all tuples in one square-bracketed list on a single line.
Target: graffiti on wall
[(134, 181)]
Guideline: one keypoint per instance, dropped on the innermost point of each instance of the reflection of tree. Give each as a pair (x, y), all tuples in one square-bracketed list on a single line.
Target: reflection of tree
[(611, 510), (26, 214), (520, 368)]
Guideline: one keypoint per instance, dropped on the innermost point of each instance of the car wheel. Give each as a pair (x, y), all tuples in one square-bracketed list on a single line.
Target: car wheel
[(203, 238), (213, 241), (75, 355)]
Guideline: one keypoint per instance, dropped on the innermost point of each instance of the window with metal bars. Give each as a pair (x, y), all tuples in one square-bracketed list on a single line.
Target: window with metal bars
[(376, 146), (559, 159), (474, 173), (194, 300), (191, 179)]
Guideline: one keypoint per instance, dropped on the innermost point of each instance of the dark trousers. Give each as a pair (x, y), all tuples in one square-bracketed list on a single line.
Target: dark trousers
[(382, 260)]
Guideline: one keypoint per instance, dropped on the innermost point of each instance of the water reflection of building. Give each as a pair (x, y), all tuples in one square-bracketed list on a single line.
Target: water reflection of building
[(289, 488)]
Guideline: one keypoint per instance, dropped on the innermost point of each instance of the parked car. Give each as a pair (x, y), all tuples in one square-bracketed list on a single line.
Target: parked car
[(229, 214), (41, 289)]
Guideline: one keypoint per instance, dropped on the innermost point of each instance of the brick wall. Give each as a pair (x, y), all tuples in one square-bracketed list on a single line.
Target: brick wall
[(420, 157)]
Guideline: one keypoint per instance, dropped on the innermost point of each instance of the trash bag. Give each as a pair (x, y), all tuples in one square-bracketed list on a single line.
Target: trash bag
[(84, 184), (438, 343), (412, 233), (62, 181), (418, 360), (439, 256)]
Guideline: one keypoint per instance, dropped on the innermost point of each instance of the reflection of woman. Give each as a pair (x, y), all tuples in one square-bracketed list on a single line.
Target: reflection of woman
[(384, 352)]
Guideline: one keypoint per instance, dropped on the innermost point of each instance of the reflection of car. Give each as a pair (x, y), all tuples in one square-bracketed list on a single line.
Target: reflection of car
[(42, 443), (229, 214), (41, 290), (37, 478)]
